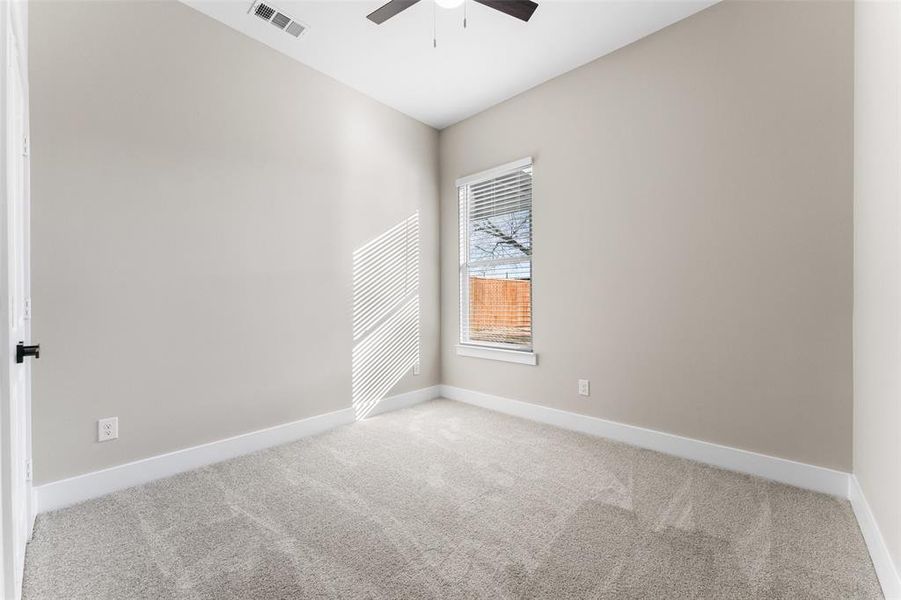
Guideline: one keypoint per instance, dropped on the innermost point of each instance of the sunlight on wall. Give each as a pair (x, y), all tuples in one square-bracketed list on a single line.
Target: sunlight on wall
[(385, 313)]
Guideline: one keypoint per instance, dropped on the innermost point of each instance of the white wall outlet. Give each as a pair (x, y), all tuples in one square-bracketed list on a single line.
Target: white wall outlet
[(107, 429), (416, 368), (584, 389)]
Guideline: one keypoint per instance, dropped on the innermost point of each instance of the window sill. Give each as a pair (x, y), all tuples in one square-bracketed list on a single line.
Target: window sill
[(514, 356)]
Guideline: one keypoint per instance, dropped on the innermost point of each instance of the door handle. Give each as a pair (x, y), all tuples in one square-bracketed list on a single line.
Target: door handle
[(22, 351)]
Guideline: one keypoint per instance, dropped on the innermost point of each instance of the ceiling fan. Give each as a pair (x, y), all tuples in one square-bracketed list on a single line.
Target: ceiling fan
[(520, 9)]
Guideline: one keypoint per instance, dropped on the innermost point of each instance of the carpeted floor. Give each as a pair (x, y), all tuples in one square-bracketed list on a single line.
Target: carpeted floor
[(445, 500)]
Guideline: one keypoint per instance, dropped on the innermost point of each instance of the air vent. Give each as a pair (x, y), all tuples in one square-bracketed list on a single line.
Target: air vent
[(280, 20), (272, 15), (264, 12), (295, 28)]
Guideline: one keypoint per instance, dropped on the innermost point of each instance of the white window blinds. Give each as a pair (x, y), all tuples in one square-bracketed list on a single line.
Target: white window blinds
[(496, 257)]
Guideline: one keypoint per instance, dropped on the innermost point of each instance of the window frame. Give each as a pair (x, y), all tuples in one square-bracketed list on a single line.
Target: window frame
[(519, 353)]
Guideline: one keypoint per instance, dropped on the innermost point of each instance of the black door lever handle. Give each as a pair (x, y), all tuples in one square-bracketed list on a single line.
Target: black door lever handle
[(22, 351)]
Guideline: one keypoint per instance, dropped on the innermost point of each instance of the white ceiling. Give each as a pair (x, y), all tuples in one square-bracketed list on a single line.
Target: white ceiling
[(494, 58)]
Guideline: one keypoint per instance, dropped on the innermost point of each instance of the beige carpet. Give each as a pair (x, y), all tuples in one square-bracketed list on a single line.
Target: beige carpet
[(449, 501)]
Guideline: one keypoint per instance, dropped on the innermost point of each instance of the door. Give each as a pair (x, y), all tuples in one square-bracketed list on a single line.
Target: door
[(15, 368)]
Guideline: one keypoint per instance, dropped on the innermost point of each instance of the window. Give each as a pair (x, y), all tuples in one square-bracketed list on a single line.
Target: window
[(496, 258)]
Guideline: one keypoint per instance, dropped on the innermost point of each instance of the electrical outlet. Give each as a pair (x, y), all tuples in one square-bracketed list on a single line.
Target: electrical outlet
[(416, 369), (107, 429), (584, 389)]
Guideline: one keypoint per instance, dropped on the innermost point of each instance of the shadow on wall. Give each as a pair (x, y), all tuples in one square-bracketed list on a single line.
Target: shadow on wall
[(385, 313)]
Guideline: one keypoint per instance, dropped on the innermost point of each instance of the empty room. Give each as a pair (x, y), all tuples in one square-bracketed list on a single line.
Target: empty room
[(450, 299)]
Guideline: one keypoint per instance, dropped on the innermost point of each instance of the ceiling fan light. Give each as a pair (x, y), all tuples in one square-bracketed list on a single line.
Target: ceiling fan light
[(448, 3)]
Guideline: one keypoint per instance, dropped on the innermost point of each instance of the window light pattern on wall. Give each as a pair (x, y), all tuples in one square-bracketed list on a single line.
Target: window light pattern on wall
[(386, 328), (496, 257)]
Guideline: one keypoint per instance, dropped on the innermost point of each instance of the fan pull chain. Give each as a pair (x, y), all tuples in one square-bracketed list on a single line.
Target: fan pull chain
[(465, 2), (434, 24)]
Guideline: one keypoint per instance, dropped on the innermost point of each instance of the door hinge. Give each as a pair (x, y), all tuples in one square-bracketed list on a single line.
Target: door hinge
[(27, 309), (28, 470), (26, 150)]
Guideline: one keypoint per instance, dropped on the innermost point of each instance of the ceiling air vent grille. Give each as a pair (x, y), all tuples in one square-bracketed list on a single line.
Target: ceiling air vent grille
[(272, 15), (280, 20), (264, 12), (295, 28)]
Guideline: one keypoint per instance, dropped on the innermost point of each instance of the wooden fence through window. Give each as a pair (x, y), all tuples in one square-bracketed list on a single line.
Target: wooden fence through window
[(500, 310)]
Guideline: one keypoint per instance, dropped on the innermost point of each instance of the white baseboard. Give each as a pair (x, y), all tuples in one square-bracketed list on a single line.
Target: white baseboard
[(59, 494), (885, 567), (406, 400), (818, 479)]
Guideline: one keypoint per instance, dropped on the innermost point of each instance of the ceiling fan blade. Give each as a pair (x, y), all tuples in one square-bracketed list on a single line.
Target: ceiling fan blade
[(521, 9), (386, 11)]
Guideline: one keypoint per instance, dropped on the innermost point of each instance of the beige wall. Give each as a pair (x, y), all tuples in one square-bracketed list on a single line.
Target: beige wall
[(877, 264), (692, 206), (197, 198)]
